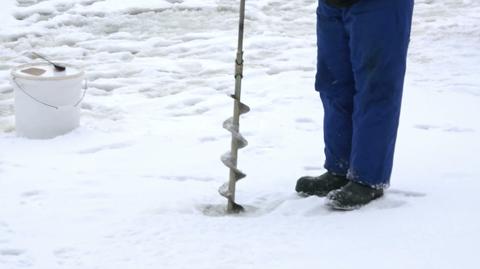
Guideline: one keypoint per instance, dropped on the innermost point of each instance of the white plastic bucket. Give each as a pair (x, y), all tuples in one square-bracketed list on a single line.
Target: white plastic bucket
[(47, 101)]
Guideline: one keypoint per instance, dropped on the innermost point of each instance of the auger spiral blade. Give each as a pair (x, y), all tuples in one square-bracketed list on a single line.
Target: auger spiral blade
[(233, 126), (229, 159)]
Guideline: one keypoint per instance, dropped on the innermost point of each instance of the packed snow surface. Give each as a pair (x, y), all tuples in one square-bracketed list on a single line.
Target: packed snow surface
[(135, 187)]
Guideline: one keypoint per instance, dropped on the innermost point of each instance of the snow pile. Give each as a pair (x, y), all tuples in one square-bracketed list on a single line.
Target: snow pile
[(129, 188), (93, 7), (6, 17)]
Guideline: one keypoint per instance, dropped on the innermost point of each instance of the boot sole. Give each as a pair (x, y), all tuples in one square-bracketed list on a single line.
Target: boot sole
[(306, 194), (335, 205)]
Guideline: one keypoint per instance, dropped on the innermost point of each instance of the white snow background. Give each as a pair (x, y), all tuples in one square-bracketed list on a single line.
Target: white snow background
[(127, 189)]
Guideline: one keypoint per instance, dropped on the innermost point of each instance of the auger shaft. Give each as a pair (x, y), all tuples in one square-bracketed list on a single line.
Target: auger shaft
[(236, 110), (233, 124)]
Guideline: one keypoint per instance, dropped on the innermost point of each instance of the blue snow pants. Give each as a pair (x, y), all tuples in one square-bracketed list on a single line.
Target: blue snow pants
[(361, 64)]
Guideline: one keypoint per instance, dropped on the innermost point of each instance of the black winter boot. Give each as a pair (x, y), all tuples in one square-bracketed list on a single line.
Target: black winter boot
[(320, 185), (352, 196)]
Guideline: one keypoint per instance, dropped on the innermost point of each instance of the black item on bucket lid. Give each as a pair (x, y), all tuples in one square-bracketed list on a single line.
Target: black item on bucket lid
[(59, 68)]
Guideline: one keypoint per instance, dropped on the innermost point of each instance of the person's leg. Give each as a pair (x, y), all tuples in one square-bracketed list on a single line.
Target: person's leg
[(379, 33), (334, 81)]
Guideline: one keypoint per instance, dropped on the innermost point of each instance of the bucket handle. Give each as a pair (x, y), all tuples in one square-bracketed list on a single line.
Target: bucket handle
[(85, 87)]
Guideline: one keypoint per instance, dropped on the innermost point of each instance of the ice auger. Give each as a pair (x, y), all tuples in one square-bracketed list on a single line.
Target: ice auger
[(232, 125)]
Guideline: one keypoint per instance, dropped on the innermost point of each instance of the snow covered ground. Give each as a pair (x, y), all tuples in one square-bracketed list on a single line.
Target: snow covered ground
[(129, 187)]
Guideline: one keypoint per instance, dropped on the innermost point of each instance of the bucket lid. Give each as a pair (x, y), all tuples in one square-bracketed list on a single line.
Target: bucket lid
[(45, 71)]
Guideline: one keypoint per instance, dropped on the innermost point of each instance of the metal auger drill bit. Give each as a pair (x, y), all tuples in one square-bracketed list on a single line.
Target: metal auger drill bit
[(233, 126)]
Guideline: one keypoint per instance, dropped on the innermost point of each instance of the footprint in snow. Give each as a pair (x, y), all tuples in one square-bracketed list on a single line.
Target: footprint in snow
[(179, 178), (11, 252), (32, 193), (114, 146), (67, 256), (187, 102), (406, 193), (307, 124), (207, 139), (304, 120), (454, 129), (313, 168), (4, 231), (31, 197), (426, 127), (89, 2), (64, 253)]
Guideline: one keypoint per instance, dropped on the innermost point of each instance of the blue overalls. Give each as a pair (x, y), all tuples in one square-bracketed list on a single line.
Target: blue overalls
[(361, 63)]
